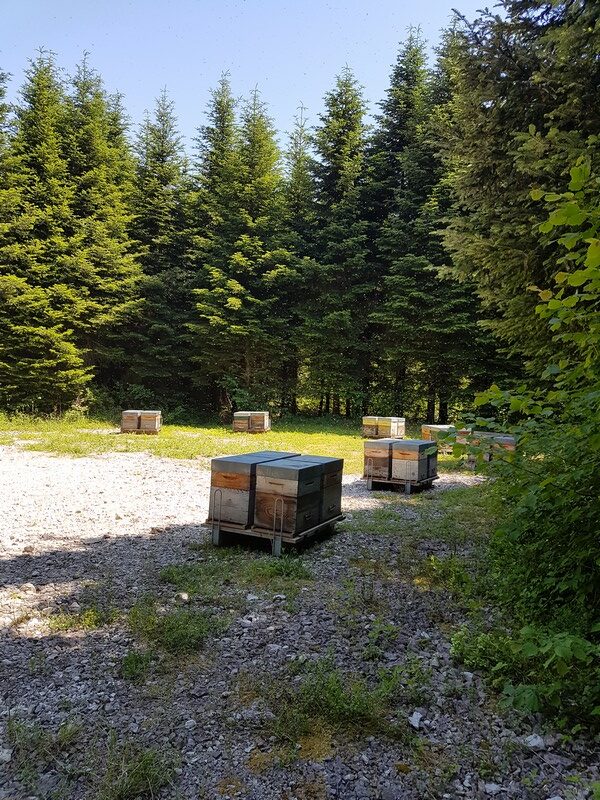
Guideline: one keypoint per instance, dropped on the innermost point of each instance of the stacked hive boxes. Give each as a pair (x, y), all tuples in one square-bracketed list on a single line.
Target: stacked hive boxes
[(140, 421), (251, 421), (270, 491), (414, 460), (233, 485), (383, 427), (491, 440), (402, 460), (434, 432)]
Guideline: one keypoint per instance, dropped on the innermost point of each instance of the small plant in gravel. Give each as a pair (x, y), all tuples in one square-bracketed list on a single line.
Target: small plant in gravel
[(177, 631), (340, 702), (87, 619), (35, 747), (136, 665), (133, 772), (381, 635)]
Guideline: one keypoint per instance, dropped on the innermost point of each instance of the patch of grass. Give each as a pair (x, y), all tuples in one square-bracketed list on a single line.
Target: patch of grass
[(87, 619), (447, 573), (381, 635), (133, 772), (177, 631), (136, 665), (330, 700), (36, 747), (226, 570)]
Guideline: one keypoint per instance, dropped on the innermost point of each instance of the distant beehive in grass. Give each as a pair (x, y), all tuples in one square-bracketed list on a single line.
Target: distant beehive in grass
[(251, 421), (378, 458), (133, 421), (434, 432), (414, 460), (489, 440), (383, 427), (233, 485)]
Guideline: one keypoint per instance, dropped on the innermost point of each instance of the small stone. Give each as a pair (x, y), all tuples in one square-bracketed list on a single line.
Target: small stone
[(535, 742), (279, 597), (28, 550), (415, 720), (182, 597), (492, 788), (251, 597), (190, 724), (28, 588), (5, 755), (555, 797)]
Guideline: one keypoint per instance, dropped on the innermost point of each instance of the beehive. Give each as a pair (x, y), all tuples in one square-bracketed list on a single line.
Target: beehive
[(288, 495), (383, 427), (251, 421), (331, 485), (150, 421), (130, 421), (432, 432), (414, 460), (378, 458), (233, 485)]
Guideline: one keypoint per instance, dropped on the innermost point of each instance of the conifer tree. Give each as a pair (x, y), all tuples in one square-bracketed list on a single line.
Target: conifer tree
[(336, 332), (102, 269), (525, 82), (161, 337), (242, 253), (41, 366)]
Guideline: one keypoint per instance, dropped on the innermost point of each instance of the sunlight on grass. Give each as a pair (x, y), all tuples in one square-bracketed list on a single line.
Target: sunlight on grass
[(82, 437)]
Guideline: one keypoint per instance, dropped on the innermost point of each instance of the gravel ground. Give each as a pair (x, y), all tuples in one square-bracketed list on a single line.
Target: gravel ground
[(107, 524)]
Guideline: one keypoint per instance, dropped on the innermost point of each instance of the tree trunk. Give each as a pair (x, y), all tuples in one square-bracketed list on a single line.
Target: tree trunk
[(336, 404), (399, 390), (321, 402), (348, 408), (431, 404), (328, 402), (443, 408)]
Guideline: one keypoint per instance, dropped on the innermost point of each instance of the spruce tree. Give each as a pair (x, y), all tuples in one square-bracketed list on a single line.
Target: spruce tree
[(525, 81), (336, 332), (161, 338), (242, 253), (41, 365), (103, 269)]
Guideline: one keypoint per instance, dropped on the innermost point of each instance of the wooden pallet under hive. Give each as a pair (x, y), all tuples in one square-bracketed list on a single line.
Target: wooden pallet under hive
[(378, 458)]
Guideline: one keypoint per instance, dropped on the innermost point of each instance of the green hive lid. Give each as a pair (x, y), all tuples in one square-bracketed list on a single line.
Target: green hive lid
[(413, 444)]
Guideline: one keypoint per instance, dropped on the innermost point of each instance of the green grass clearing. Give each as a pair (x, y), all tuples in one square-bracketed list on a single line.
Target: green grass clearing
[(81, 437), (178, 631)]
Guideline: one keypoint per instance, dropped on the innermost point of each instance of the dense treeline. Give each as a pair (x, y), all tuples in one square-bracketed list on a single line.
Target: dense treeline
[(240, 274)]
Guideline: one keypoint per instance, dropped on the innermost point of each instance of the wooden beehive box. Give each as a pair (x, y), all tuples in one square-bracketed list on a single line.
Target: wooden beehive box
[(130, 421), (432, 432), (288, 495), (414, 460), (383, 427), (378, 458), (150, 422), (331, 485), (251, 421), (233, 485)]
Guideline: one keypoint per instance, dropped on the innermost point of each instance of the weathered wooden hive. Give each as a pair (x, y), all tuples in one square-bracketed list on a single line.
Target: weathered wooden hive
[(414, 460), (433, 432), (383, 427), (233, 485), (251, 421), (130, 421), (331, 485), (378, 458), (288, 495), (490, 440), (141, 421)]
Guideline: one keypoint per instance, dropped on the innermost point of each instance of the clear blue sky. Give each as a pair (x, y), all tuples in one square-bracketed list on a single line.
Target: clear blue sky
[(290, 50)]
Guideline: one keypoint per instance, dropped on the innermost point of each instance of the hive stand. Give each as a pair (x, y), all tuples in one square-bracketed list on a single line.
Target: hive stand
[(412, 465)]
